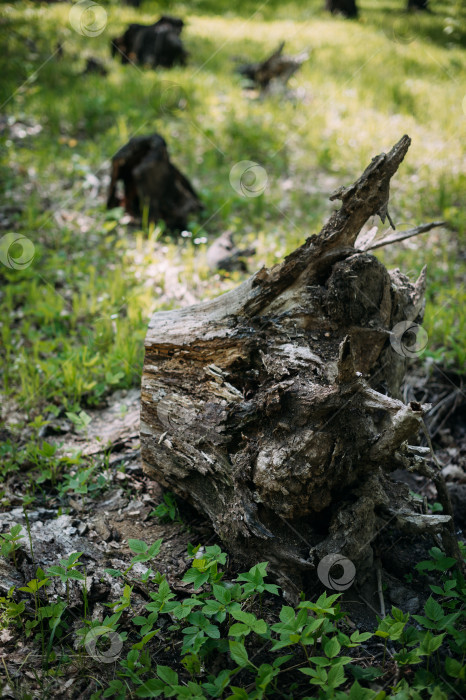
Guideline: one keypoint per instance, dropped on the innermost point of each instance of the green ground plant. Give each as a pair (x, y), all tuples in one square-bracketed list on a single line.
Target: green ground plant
[(311, 649), (168, 509), (10, 542)]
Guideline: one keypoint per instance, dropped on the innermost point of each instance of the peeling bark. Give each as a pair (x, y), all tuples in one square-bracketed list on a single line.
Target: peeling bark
[(276, 408)]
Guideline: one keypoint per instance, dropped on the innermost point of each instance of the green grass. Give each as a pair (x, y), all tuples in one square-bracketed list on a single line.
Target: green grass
[(73, 322)]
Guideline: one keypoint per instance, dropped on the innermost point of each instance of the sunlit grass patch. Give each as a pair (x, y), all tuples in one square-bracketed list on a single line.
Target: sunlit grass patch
[(73, 323)]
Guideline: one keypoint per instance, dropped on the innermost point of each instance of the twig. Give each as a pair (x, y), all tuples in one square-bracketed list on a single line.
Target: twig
[(368, 604), (448, 413), (402, 235), (379, 588)]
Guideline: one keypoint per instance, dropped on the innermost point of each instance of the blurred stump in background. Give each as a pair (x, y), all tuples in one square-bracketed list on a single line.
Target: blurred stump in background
[(153, 45), (150, 180), (347, 8), (276, 68)]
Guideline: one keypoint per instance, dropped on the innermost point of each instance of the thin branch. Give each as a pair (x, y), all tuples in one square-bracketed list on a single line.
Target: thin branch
[(402, 235)]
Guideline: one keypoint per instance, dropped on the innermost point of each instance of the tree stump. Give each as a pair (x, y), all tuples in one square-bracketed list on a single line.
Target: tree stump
[(347, 8), (277, 68), (157, 44), (417, 5), (151, 180), (276, 410)]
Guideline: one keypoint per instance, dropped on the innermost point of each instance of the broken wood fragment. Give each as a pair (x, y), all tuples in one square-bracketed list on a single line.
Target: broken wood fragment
[(223, 254), (276, 68), (93, 65)]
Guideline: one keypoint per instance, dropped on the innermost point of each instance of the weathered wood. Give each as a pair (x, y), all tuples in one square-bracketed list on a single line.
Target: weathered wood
[(418, 5), (276, 408), (93, 65), (223, 254), (347, 8), (157, 44), (151, 180), (276, 68)]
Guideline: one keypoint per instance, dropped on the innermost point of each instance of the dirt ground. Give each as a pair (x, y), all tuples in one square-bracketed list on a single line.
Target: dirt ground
[(100, 526)]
